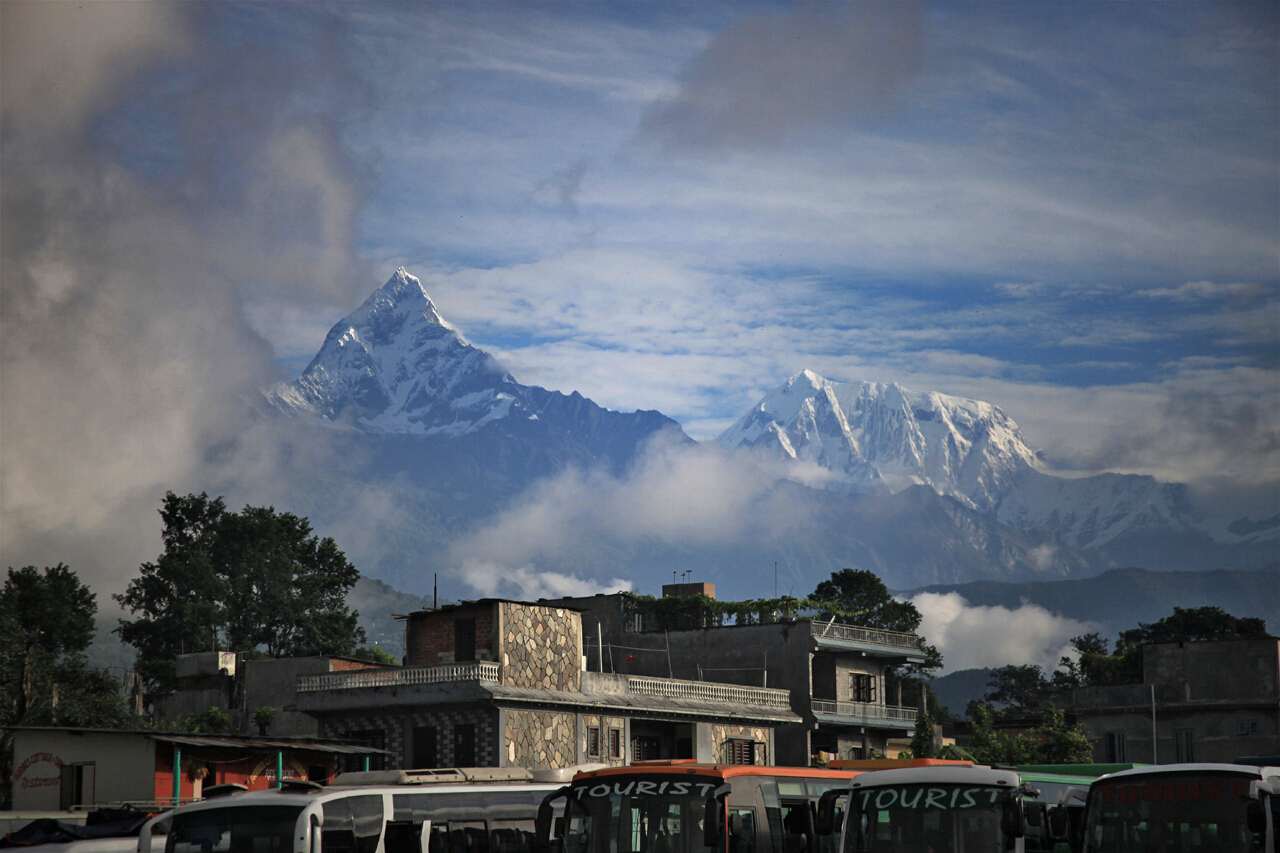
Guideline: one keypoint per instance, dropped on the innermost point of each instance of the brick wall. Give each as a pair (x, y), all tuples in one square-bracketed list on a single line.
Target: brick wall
[(397, 729), (430, 636)]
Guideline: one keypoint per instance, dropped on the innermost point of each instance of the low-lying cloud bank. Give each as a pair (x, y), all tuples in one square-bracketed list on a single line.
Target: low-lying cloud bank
[(974, 637)]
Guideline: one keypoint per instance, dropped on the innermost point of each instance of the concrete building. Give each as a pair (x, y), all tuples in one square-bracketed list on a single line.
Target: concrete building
[(1205, 701), (61, 768), (502, 683), (834, 673)]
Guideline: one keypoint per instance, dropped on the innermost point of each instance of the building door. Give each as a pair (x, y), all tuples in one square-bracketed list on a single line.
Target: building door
[(464, 639), (646, 748)]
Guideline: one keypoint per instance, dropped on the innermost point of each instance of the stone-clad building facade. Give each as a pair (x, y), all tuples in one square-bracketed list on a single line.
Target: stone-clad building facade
[(504, 683)]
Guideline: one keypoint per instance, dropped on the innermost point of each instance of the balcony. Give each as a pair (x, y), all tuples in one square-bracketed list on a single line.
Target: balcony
[(471, 671), (732, 693), (889, 646), (863, 713)]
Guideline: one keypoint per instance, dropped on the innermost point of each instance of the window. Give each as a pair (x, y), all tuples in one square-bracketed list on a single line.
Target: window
[(1182, 751), (1246, 727), (739, 751), (77, 785), (351, 825), (424, 748), (615, 742), (862, 687), (593, 741), (646, 748), (464, 745), (464, 640), (1113, 744)]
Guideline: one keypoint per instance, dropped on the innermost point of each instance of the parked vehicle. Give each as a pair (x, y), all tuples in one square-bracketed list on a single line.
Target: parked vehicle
[(683, 807), (959, 808), (1184, 808), (473, 810)]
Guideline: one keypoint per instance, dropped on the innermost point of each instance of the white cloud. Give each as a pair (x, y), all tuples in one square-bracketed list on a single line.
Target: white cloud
[(530, 584), (974, 637)]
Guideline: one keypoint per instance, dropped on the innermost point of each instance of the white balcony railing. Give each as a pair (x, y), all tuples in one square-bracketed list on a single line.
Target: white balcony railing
[(869, 710), (839, 631), (673, 689), (471, 671)]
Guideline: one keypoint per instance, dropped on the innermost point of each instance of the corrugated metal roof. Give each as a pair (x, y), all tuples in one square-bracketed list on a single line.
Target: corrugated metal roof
[(261, 743)]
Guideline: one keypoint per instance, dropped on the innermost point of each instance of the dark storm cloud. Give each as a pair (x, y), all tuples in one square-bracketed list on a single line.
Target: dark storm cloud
[(776, 72), (129, 257)]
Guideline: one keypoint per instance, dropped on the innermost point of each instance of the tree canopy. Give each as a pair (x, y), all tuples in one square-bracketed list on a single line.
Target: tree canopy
[(46, 624), (859, 597), (257, 581), (1188, 624)]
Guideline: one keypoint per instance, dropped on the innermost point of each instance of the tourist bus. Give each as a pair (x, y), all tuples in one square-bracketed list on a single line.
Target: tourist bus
[(960, 808), (1184, 808), (471, 810), (680, 806)]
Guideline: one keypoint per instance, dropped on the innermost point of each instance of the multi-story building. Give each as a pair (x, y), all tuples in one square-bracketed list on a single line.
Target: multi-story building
[(1198, 701), (834, 673), (504, 683)]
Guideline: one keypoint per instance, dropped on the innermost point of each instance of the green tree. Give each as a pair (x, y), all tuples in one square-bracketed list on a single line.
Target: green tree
[(257, 580), (861, 598), (262, 717), (1188, 624), (922, 739), (46, 623), (375, 654)]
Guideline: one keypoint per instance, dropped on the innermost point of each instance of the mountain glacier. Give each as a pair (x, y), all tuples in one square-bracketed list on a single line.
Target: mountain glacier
[(877, 434), (883, 437)]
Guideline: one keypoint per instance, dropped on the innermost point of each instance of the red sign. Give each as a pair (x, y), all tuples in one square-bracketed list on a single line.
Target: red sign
[(1178, 790)]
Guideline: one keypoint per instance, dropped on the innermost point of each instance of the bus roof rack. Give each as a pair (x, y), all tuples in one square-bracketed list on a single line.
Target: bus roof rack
[(299, 786)]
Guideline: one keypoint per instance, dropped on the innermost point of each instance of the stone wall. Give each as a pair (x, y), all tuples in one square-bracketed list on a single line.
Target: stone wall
[(720, 734), (540, 739), (541, 647)]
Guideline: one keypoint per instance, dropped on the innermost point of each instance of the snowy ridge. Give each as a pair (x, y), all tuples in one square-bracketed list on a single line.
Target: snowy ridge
[(878, 434)]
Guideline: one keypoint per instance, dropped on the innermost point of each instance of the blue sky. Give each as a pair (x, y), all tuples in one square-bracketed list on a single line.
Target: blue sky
[(1071, 210)]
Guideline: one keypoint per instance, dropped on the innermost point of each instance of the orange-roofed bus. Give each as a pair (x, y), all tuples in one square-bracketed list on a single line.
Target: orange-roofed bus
[(684, 807)]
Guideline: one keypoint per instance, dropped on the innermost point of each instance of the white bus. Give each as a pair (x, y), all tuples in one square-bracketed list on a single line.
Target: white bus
[(472, 810), (1184, 808), (954, 809)]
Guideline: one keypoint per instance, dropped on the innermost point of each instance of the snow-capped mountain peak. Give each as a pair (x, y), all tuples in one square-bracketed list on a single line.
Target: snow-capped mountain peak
[(877, 433), (395, 365)]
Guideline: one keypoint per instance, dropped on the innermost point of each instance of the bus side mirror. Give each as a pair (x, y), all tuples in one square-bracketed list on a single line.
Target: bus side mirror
[(1013, 822), (1059, 823), (545, 828)]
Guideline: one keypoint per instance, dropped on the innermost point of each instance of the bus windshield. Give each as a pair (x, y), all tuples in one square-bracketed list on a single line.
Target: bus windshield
[(925, 818), (638, 814), (1169, 811), (238, 829)]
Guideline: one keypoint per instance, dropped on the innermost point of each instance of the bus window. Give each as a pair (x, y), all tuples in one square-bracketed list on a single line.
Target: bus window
[(352, 825), (242, 829), (745, 840), (795, 825)]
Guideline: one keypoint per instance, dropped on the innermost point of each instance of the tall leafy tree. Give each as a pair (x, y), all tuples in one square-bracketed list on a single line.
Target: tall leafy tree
[(258, 581), (46, 623), (859, 597)]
